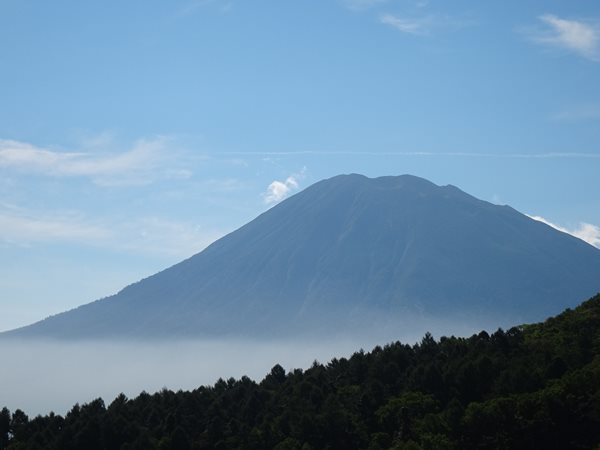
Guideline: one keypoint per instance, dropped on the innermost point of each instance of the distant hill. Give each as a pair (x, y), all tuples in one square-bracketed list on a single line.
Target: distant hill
[(353, 254), (530, 387)]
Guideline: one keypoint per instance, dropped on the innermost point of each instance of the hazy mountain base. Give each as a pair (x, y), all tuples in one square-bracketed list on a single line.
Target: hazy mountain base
[(534, 386), (357, 323)]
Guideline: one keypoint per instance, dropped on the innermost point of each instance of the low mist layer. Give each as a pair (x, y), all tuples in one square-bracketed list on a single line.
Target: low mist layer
[(42, 376), (39, 377)]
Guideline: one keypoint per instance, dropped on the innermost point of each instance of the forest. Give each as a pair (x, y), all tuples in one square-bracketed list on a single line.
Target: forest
[(532, 386)]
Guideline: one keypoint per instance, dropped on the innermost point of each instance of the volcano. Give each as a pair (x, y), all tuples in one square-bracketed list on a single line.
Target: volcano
[(352, 253)]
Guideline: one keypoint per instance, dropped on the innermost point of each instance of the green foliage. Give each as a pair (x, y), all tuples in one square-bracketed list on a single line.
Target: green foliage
[(534, 386)]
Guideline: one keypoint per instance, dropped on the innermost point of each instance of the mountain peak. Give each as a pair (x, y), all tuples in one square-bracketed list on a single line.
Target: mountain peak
[(388, 181)]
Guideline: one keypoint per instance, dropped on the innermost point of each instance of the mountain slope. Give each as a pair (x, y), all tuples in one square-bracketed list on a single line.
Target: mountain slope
[(352, 251)]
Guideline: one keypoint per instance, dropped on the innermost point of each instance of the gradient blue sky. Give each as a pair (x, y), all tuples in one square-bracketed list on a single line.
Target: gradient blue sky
[(133, 134)]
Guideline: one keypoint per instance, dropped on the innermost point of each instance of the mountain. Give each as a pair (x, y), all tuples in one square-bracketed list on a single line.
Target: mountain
[(352, 254)]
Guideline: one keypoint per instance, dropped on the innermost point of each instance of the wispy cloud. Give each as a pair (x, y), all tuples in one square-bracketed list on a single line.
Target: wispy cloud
[(191, 7), (159, 236), (581, 37), (507, 155), (224, 184), (361, 5), (585, 231), (20, 228), (144, 162), (142, 235), (579, 113), (426, 25), (416, 26)]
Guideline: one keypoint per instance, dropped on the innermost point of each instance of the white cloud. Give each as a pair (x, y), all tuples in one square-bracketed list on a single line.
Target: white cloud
[(143, 163), (580, 37), (278, 190), (589, 233), (585, 231)]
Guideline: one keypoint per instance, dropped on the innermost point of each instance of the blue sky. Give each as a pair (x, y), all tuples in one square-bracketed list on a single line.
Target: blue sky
[(133, 134)]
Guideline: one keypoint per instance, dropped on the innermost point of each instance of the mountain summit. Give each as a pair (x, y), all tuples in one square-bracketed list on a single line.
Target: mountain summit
[(349, 252)]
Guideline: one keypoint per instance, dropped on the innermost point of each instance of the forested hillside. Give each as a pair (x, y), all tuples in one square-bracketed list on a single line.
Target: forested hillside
[(533, 386)]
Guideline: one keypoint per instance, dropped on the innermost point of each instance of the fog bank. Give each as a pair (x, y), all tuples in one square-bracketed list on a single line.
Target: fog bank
[(39, 376)]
